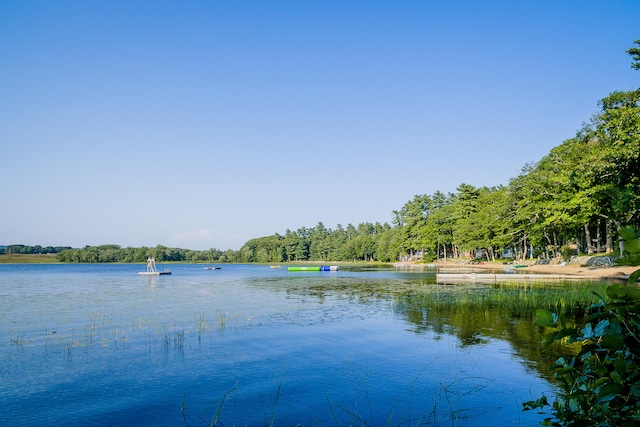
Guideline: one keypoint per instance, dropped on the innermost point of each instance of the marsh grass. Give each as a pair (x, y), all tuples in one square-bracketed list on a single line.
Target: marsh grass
[(178, 341), (405, 418), (518, 297), (153, 334), (218, 405), (221, 321), (202, 324), (447, 407), (18, 340)]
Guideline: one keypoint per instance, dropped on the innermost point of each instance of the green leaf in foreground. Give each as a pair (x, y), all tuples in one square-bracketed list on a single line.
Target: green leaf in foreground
[(600, 385)]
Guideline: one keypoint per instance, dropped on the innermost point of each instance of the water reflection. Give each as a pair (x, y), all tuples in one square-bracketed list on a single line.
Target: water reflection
[(253, 346), (473, 312)]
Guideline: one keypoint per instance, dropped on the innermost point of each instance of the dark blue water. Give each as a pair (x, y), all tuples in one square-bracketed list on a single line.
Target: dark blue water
[(84, 345)]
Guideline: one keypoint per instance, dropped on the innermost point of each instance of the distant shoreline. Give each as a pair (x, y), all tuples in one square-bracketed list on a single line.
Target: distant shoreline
[(615, 272)]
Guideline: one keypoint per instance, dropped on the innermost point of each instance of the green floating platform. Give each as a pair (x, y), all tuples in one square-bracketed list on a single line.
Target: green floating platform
[(317, 268)]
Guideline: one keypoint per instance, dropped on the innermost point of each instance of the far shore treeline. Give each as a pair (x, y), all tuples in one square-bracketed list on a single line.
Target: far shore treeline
[(576, 199)]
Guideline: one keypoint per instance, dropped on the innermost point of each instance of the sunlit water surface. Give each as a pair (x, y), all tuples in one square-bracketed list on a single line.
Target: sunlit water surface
[(84, 345)]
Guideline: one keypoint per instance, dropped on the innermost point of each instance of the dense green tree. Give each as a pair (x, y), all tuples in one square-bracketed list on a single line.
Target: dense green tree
[(291, 242), (411, 220), (463, 210), (437, 232), (617, 161), (337, 239), (483, 229), (319, 243)]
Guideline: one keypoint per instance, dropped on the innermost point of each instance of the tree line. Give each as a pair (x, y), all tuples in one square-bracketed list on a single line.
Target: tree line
[(116, 253), (37, 249), (574, 199)]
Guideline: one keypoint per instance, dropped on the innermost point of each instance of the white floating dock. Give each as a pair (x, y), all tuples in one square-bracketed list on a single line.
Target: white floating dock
[(154, 273), (152, 270)]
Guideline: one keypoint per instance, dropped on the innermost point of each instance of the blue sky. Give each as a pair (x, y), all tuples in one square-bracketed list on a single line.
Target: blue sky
[(203, 124)]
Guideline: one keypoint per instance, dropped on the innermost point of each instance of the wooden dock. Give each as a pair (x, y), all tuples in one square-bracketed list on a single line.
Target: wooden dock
[(505, 277)]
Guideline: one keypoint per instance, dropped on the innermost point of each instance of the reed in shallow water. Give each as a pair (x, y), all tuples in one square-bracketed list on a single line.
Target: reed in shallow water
[(519, 298)]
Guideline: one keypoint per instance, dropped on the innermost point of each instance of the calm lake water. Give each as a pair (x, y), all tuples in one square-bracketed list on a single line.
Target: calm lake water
[(84, 345)]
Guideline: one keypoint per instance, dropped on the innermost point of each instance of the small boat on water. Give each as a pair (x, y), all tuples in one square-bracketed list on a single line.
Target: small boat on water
[(212, 268), (152, 270)]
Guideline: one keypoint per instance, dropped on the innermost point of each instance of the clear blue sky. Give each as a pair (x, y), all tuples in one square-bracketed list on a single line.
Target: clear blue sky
[(200, 124)]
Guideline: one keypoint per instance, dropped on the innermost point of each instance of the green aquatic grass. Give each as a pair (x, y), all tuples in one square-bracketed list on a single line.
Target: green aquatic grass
[(359, 410), (100, 331), (518, 297)]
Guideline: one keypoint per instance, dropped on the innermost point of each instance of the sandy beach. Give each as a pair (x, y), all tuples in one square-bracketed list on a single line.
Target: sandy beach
[(615, 272)]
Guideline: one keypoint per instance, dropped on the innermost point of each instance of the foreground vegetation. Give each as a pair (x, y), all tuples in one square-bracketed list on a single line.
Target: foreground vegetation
[(600, 385)]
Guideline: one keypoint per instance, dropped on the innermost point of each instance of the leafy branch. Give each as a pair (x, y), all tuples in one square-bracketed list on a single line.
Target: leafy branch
[(601, 384)]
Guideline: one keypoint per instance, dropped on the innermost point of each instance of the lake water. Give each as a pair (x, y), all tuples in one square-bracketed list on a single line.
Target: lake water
[(93, 345)]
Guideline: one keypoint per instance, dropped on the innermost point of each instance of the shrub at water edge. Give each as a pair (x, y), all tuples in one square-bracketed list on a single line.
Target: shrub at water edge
[(601, 384)]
